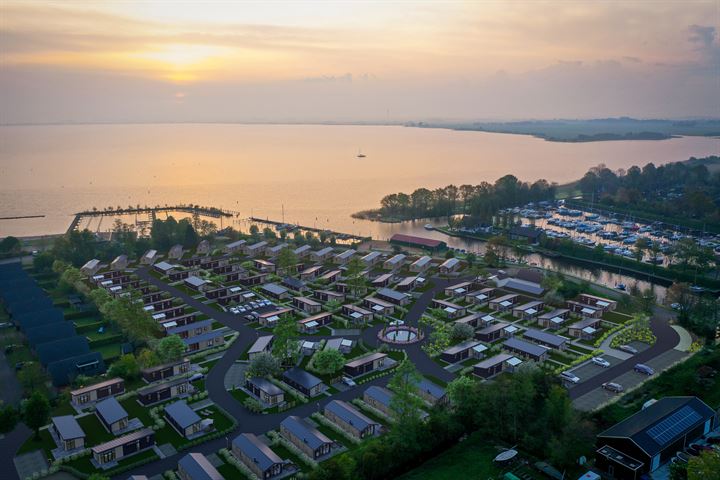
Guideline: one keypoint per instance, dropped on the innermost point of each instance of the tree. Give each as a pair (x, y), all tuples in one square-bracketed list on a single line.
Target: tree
[(126, 367), (405, 404), (285, 346), (328, 361), (170, 348), (8, 418), (470, 258), (461, 393), (43, 262), (10, 244), (262, 365), (36, 412), (146, 358), (705, 466), (130, 316), (252, 405), (353, 274), (32, 377), (462, 331), (286, 260), (98, 476)]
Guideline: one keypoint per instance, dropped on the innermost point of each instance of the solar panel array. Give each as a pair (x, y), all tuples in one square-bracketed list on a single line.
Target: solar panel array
[(675, 424)]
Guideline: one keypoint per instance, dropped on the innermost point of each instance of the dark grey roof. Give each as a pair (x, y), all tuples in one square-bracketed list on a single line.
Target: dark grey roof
[(308, 434), (62, 371), (203, 337), (659, 424), (294, 283), (525, 347), (382, 395), (266, 386), (50, 332), (274, 288), (349, 414), (158, 387), (125, 439), (38, 317), (60, 349), (260, 453), (261, 344), (389, 293), (466, 345), (198, 467), (301, 377), (111, 410), (544, 337), (67, 427), (181, 414), (436, 391), (189, 326)]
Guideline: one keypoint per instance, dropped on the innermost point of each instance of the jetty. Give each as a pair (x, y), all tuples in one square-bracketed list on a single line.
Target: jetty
[(290, 227)]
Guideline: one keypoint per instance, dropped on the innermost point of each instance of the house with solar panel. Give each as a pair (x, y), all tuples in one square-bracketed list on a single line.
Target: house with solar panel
[(645, 441), (528, 310), (554, 319)]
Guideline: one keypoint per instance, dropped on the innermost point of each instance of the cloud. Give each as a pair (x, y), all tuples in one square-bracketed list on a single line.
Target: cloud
[(705, 39)]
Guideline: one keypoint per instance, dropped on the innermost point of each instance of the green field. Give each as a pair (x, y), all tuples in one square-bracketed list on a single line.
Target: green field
[(471, 458)]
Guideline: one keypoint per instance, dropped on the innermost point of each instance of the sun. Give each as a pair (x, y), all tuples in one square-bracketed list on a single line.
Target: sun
[(182, 62)]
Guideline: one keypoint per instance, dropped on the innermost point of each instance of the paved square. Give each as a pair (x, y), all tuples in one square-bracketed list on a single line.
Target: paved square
[(235, 375), (588, 369), (29, 463)]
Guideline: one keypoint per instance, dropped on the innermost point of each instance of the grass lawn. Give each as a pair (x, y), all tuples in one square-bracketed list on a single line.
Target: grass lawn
[(229, 472), (471, 458), (110, 351), (436, 380), (333, 435), (210, 363), (135, 410), (45, 443), (286, 454), (616, 317), (83, 464), (94, 430)]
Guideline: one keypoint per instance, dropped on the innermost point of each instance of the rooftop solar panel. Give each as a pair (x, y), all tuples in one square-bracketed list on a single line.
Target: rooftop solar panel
[(675, 424)]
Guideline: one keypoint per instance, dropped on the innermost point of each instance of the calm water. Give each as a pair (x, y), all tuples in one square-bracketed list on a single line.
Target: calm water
[(256, 169)]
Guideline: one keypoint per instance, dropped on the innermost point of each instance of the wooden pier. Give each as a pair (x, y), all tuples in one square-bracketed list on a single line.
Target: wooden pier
[(338, 235)]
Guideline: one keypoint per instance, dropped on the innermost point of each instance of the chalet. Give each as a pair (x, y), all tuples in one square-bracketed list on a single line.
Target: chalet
[(378, 307), (49, 332), (365, 364), (322, 254), (270, 319), (69, 368), (68, 432), (379, 398), (395, 262), (120, 263), (310, 273), (492, 332), (275, 250), (597, 302), (449, 266), (585, 329), (452, 310), (531, 235), (331, 276), (304, 382), (164, 391), (210, 339), (149, 257), (486, 320), (526, 349), (458, 290), (545, 339), (525, 281), (431, 393), (197, 283), (504, 303), (191, 329), (528, 310), (93, 393), (312, 323), (294, 284), (266, 391), (166, 370), (257, 456), (308, 347), (275, 291), (305, 437), (638, 446), (461, 351), (350, 419), (235, 246), (584, 310), (164, 268), (344, 257), (371, 258), (113, 416), (246, 279), (195, 466), (472, 319), (168, 323), (492, 366), (90, 268), (302, 251), (306, 304), (421, 264), (382, 280), (184, 420), (343, 345), (40, 318), (254, 249), (110, 452), (329, 296), (392, 296), (417, 242), (357, 314), (261, 345), (264, 266), (407, 283), (176, 252), (554, 319)]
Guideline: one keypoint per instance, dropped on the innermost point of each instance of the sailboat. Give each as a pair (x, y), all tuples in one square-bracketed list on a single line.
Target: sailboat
[(360, 154)]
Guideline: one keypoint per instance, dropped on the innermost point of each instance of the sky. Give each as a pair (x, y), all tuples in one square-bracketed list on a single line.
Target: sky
[(347, 61)]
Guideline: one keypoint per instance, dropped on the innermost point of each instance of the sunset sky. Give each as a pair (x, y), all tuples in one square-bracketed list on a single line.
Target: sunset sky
[(173, 60)]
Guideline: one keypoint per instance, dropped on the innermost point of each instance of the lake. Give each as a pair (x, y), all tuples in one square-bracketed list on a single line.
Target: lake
[(311, 170)]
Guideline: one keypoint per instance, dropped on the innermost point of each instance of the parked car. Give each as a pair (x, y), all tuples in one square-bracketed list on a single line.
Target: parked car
[(644, 369), (348, 381), (600, 361), (675, 306), (570, 377), (683, 457), (713, 438), (197, 376), (613, 387), (628, 349)]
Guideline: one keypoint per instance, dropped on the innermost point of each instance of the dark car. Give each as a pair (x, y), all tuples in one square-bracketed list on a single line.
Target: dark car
[(613, 387), (644, 369)]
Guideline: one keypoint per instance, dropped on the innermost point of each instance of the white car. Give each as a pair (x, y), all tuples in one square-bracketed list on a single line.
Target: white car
[(628, 349), (600, 361), (348, 381), (570, 377)]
